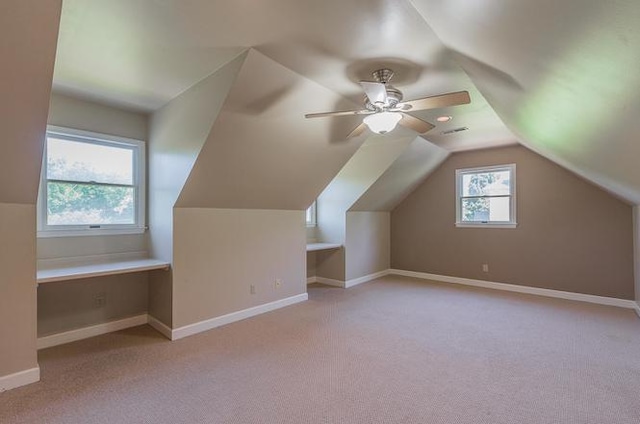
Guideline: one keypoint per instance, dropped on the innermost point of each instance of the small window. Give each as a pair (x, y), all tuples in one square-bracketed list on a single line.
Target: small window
[(486, 197), (91, 184), (311, 215)]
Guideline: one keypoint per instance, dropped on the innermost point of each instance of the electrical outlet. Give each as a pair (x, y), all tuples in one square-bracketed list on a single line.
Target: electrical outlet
[(278, 283), (252, 289), (485, 267), (100, 300)]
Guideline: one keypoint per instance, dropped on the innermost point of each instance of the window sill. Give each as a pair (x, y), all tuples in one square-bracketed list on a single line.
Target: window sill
[(485, 225), (90, 232)]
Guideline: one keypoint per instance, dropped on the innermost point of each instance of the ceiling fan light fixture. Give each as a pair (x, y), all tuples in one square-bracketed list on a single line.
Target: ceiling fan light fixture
[(382, 122)]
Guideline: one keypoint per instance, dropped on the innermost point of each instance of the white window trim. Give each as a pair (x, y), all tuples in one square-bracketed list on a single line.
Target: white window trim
[(512, 204), (139, 172), (314, 215)]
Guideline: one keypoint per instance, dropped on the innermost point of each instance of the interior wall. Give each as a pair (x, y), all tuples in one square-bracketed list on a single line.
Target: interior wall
[(177, 133), (70, 305), (64, 306), (311, 264), (636, 250), (368, 243), (571, 235), (371, 160), (69, 112), (81, 114), (220, 253), (29, 30), (17, 288)]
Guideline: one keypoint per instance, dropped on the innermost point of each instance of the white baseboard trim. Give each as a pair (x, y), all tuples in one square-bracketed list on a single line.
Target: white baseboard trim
[(18, 379), (159, 326), (348, 283), (637, 309), (330, 282), (94, 330), (209, 324), (366, 278), (601, 300)]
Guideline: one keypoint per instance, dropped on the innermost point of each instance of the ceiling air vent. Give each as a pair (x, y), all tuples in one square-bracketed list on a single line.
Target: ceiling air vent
[(455, 130)]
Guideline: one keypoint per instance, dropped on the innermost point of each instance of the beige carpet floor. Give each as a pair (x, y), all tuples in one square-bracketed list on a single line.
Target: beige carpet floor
[(396, 350)]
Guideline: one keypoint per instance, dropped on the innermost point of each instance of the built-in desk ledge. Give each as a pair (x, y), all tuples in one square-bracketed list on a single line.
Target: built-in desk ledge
[(312, 247), (65, 269)]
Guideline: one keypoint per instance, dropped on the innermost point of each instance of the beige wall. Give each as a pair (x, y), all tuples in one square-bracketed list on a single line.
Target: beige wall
[(636, 250), (311, 264), (17, 288), (176, 135), (371, 160), (367, 246), (219, 253), (29, 31), (65, 306), (69, 305), (571, 235), (71, 112)]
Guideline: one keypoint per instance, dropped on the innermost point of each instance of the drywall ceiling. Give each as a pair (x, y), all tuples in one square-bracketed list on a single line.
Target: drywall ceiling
[(142, 54), (562, 75), (27, 49)]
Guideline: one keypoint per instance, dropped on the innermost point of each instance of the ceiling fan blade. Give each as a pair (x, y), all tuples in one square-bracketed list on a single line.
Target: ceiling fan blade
[(357, 130), (376, 91), (418, 125), (338, 113), (435, 102)]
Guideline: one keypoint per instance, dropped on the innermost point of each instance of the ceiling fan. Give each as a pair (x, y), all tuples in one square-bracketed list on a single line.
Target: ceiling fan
[(384, 108)]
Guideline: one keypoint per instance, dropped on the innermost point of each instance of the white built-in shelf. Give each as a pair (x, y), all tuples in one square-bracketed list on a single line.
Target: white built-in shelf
[(312, 247), (53, 270)]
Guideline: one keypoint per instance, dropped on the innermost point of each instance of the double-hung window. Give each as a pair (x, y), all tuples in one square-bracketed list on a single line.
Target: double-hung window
[(91, 184), (311, 215), (486, 197)]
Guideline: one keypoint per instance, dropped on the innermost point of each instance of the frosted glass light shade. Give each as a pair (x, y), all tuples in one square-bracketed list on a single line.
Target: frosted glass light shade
[(382, 122)]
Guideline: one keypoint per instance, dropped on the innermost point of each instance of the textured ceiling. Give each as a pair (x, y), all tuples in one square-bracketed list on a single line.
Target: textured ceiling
[(561, 76), (141, 54)]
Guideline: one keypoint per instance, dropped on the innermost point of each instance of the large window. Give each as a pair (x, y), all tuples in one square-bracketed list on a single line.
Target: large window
[(485, 197), (91, 184)]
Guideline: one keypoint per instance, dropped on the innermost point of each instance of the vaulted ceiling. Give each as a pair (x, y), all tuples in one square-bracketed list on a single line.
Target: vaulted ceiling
[(559, 77)]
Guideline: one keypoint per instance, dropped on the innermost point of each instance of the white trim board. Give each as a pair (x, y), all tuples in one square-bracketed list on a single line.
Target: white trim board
[(580, 297), (199, 327), (349, 283), (159, 326), (91, 331), (18, 379), (330, 282), (366, 278), (637, 308)]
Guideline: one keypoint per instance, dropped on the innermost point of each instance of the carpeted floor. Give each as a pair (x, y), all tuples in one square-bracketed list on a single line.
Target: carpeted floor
[(396, 350)]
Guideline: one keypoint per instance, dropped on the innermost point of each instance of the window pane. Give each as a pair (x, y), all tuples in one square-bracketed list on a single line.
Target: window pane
[(88, 204), (486, 209), (486, 183), (78, 161)]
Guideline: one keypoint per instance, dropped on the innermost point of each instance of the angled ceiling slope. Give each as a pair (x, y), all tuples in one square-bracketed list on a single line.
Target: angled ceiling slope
[(412, 167), (261, 152), (29, 33), (561, 75)]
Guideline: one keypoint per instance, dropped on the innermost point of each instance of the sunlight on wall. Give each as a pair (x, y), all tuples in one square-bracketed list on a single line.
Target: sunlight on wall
[(567, 109)]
